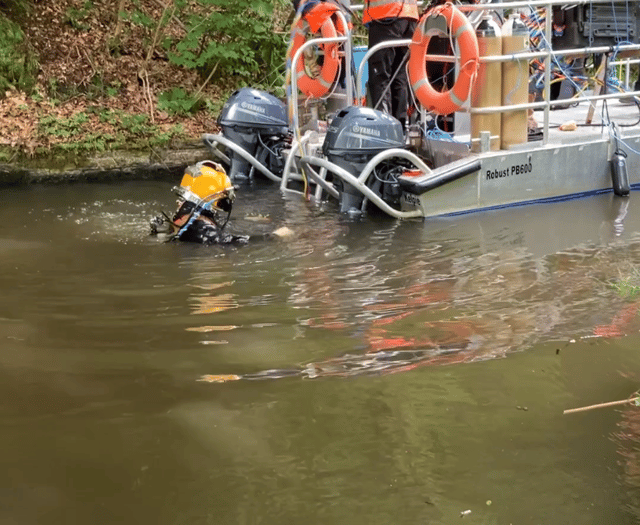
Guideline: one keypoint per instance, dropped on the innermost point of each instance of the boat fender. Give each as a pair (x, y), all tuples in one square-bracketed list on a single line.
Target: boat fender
[(419, 186), (318, 19), (447, 21), (619, 175)]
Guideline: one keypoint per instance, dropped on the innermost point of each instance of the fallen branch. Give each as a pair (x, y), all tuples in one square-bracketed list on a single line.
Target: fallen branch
[(116, 31), (143, 73), (156, 34), (207, 80), (177, 20), (635, 400)]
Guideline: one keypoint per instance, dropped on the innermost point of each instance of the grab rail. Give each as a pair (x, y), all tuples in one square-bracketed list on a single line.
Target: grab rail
[(546, 54), (348, 53)]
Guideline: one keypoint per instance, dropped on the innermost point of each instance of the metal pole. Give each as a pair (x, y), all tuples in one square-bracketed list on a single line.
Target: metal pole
[(547, 72)]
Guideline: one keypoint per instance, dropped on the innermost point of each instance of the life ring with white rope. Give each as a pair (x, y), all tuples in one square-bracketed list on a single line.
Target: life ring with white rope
[(448, 21), (320, 18)]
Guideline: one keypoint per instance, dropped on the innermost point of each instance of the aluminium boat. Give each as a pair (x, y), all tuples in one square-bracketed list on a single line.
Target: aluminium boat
[(533, 115)]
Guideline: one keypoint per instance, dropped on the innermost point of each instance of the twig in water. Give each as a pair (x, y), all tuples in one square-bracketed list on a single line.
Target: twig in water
[(635, 400)]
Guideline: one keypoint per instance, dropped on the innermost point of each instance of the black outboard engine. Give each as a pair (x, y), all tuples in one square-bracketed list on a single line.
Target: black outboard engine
[(354, 137), (257, 122)]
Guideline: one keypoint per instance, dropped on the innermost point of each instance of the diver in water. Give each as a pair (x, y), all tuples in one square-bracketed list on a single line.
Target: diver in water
[(205, 201)]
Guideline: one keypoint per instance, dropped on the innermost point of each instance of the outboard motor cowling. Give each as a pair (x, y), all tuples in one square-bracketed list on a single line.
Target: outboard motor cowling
[(257, 122), (354, 137)]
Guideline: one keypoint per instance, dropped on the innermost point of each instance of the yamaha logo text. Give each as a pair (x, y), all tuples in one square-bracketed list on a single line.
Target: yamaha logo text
[(366, 131), (252, 107)]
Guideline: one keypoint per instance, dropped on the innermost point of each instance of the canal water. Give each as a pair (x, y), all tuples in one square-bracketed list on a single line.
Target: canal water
[(363, 372)]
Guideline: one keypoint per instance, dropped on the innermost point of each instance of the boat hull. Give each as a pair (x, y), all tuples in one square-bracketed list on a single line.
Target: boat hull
[(535, 173)]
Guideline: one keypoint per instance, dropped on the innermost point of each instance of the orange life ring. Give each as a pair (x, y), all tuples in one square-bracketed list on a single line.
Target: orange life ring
[(319, 18), (443, 20)]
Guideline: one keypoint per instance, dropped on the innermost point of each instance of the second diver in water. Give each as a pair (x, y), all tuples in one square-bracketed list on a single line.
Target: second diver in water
[(205, 201)]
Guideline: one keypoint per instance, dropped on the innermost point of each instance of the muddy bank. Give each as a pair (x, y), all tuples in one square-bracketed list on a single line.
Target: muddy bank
[(167, 164)]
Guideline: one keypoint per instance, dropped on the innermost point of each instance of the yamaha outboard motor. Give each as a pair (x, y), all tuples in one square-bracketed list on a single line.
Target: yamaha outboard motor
[(354, 137), (257, 122)]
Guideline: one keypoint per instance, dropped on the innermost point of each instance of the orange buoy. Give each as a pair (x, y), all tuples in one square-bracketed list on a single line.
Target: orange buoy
[(448, 21), (319, 19)]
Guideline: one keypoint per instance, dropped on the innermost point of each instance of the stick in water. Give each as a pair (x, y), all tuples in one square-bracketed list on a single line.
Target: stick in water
[(635, 400)]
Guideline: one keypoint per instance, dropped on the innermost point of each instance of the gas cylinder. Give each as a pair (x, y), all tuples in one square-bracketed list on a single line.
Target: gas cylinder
[(515, 81), (487, 90)]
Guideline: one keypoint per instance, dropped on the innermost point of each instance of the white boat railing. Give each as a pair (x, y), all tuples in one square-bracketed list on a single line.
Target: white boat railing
[(548, 54), (292, 94), (360, 182), (627, 63)]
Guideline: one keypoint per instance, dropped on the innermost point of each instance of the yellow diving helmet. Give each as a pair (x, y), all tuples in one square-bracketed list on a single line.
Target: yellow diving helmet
[(207, 184)]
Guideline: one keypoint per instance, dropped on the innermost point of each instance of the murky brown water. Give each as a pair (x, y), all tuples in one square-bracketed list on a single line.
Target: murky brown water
[(368, 372)]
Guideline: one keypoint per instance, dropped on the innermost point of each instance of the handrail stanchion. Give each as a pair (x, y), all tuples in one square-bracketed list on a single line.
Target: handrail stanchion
[(367, 55), (294, 79), (548, 28), (348, 59)]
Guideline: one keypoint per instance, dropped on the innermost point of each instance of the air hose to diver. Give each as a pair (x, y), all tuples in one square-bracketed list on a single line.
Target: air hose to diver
[(195, 215)]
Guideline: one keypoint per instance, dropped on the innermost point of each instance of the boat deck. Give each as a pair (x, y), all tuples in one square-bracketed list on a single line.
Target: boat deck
[(625, 114), (590, 127)]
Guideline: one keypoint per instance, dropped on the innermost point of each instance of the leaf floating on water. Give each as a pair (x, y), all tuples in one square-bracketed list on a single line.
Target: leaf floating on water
[(221, 378), (220, 328), (213, 286), (258, 217), (215, 304)]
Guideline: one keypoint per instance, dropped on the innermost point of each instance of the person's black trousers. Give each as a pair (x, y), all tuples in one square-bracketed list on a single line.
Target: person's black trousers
[(384, 63)]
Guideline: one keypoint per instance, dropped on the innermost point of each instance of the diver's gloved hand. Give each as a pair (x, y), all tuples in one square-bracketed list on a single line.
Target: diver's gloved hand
[(159, 224)]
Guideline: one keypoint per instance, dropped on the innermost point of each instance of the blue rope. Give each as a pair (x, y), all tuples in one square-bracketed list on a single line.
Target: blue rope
[(192, 219)]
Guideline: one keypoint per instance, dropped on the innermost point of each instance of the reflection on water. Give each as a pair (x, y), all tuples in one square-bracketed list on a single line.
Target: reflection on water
[(396, 304), (627, 440), (110, 337)]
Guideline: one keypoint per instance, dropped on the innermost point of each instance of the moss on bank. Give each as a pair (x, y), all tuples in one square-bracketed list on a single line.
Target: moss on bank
[(159, 164)]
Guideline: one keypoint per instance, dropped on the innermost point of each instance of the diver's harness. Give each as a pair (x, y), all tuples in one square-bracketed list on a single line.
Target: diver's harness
[(200, 206), (198, 210)]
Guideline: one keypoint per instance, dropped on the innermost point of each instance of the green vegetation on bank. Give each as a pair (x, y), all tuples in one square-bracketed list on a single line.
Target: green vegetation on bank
[(233, 38), (628, 286), (129, 131), (219, 45), (18, 66)]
